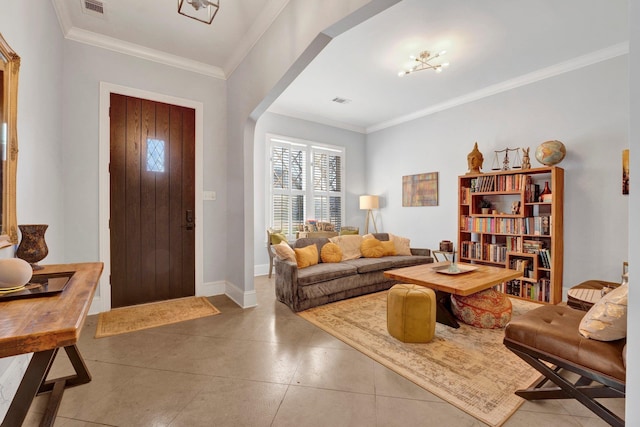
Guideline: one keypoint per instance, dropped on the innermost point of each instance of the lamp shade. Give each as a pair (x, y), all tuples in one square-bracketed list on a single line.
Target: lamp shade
[(369, 202)]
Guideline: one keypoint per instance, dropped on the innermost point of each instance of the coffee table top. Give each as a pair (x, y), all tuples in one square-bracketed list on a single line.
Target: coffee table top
[(478, 278)]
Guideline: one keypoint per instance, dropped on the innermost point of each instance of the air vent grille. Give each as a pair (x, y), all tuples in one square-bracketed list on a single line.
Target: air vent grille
[(93, 6), (341, 100)]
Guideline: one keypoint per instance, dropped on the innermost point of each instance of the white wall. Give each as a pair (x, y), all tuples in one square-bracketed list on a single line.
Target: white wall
[(87, 66), (297, 35), (633, 316), (33, 33), (586, 109), (354, 144)]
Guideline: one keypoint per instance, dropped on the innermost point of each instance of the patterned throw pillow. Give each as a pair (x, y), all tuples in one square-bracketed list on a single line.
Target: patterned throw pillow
[(306, 256), (607, 319), (284, 251), (331, 252), (371, 248)]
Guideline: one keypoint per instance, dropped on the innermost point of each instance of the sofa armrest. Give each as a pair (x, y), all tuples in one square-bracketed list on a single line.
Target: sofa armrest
[(420, 251), (287, 282)]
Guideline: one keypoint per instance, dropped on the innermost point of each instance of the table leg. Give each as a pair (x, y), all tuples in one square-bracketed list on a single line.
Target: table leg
[(34, 383), (444, 315)]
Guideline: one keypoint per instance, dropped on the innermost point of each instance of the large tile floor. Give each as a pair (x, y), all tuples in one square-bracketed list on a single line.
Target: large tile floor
[(263, 366)]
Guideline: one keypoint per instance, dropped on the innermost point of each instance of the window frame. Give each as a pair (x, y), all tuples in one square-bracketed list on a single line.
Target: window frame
[(308, 148)]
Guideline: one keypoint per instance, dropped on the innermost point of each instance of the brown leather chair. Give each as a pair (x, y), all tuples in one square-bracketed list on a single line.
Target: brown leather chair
[(547, 338)]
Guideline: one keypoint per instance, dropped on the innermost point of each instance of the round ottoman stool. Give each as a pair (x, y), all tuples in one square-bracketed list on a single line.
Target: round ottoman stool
[(487, 309), (411, 313)]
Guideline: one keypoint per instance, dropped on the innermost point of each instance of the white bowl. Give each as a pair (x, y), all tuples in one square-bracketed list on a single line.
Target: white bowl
[(14, 272)]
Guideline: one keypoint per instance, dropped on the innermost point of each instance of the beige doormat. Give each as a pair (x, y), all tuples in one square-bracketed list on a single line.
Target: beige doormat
[(145, 316), (468, 367)]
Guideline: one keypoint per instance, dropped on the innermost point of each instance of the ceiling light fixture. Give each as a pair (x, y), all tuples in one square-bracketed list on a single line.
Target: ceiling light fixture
[(200, 10), (424, 62)]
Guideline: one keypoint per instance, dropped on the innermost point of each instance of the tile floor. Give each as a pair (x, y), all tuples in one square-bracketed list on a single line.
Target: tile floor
[(263, 366)]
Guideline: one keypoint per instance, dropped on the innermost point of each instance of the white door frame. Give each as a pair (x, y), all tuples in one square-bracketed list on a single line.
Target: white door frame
[(102, 301)]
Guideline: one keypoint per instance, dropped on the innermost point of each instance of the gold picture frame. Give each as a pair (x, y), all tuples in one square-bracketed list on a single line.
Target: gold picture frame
[(625, 172), (420, 189)]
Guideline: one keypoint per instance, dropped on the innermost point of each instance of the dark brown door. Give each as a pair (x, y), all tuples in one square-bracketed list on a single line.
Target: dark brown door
[(152, 218)]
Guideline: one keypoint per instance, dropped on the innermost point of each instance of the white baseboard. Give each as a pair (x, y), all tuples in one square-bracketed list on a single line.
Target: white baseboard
[(262, 270), (240, 297)]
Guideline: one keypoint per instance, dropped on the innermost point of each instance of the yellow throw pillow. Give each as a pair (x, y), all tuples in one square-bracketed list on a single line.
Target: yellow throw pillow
[(331, 252), (306, 256), (284, 251), (389, 248), (371, 248), (402, 244), (350, 246)]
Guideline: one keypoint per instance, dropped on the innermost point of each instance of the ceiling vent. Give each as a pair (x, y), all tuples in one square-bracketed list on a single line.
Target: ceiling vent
[(93, 7), (341, 100)]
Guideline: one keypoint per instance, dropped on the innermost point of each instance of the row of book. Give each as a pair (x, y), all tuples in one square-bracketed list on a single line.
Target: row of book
[(534, 291), (523, 265), (538, 247), (535, 225), (489, 183), (492, 252)]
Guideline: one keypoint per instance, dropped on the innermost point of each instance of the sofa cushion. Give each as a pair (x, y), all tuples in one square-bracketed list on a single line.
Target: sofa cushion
[(407, 261), (324, 272), (371, 248), (306, 256), (349, 244), (277, 238), (284, 251), (331, 253), (367, 265)]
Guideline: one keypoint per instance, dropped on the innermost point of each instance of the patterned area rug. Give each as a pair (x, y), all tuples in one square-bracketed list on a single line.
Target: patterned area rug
[(467, 367), (145, 316)]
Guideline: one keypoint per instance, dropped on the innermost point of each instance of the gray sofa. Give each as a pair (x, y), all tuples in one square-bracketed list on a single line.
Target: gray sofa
[(323, 283)]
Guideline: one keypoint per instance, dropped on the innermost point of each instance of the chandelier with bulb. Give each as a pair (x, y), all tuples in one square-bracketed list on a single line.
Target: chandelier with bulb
[(200, 10), (424, 61)]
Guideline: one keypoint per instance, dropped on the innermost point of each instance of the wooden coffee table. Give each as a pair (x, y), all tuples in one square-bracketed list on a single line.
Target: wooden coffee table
[(475, 278)]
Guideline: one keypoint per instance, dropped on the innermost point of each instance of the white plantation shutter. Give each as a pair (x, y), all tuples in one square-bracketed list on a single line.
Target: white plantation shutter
[(293, 163)]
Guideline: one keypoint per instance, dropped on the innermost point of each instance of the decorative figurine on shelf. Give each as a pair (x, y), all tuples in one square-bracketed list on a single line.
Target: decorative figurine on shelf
[(475, 160), (526, 162)]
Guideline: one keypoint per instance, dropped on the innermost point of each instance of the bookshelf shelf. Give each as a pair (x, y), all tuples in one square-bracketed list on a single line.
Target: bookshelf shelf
[(522, 233)]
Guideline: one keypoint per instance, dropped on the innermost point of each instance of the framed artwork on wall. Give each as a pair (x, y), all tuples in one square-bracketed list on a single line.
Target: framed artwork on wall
[(625, 171), (420, 190)]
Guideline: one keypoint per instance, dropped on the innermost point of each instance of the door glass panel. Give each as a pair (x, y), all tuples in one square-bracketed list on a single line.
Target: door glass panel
[(155, 155)]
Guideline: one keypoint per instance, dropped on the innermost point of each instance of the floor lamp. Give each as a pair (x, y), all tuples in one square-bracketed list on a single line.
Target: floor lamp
[(368, 203)]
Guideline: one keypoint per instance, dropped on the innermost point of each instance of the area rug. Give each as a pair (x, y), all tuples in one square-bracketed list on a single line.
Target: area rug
[(468, 367), (145, 316)]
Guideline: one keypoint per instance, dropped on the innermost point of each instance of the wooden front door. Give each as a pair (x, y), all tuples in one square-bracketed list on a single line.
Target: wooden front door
[(152, 180)]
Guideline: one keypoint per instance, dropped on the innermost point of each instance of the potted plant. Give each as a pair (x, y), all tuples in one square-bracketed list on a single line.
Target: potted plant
[(485, 206)]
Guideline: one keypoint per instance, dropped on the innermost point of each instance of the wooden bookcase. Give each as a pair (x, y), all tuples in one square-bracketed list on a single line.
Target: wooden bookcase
[(519, 231)]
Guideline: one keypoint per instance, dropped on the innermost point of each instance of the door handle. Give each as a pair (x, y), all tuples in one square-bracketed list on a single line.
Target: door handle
[(190, 220)]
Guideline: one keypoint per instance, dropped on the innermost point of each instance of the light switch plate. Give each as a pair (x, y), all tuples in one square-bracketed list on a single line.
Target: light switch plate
[(209, 195)]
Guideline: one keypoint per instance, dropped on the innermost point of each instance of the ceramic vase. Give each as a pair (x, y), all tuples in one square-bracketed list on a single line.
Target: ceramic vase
[(545, 196), (33, 247)]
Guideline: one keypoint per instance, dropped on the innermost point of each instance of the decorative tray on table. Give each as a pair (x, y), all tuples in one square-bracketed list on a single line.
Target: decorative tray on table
[(459, 269)]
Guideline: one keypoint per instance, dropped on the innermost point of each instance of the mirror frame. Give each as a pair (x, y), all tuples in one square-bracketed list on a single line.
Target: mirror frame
[(9, 230)]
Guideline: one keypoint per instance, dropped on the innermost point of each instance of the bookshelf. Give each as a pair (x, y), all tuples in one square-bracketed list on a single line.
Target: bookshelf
[(519, 231)]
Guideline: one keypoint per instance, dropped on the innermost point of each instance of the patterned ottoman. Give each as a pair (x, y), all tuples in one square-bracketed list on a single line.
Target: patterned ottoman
[(487, 309), (411, 313)]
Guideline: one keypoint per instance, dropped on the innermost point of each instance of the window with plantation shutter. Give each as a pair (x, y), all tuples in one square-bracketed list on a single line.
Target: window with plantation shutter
[(306, 182)]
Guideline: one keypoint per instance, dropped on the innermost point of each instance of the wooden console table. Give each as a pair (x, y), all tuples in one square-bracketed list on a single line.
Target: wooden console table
[(42, 325)]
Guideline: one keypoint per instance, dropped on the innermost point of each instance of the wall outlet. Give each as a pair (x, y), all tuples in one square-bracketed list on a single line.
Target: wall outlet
[(209, 195)]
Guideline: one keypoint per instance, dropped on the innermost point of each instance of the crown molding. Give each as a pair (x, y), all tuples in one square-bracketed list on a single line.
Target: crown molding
[(544, 73), (99, 40)]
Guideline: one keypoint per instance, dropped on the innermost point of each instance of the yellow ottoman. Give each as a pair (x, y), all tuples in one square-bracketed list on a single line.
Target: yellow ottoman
[(411, 313)]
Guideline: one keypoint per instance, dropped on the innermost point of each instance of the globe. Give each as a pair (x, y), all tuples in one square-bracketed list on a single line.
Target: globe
[(550, 153)]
